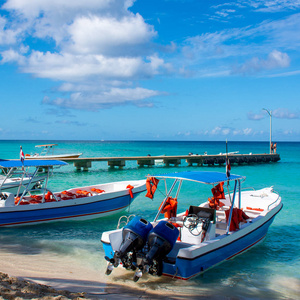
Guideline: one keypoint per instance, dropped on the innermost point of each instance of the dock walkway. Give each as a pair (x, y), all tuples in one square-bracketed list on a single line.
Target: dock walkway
[(86, 162)]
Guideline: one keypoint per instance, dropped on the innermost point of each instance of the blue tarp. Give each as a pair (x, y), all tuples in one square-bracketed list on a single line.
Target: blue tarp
[(203, 177), (30, 163)]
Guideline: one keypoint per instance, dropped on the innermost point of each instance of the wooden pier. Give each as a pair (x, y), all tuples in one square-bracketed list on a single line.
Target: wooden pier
[(200, 160)]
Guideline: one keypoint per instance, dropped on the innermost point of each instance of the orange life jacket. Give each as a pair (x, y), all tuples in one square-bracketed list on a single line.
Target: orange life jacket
[(151, 185), (97, 190), (170, 208), (218, 193)]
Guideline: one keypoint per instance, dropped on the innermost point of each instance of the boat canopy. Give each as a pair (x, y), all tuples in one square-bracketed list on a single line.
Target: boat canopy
[(30, 163), (202, 177)]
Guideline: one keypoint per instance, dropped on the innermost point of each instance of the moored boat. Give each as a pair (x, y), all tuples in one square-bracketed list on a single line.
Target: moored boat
[(187, 244), (48, 152), (78, 203), (10, 182)]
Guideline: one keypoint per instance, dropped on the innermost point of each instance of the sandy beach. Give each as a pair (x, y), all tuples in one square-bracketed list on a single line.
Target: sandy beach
[(48, 276), (27, 275)]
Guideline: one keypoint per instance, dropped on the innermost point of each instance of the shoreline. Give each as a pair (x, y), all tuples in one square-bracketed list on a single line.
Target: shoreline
[(26, 275)]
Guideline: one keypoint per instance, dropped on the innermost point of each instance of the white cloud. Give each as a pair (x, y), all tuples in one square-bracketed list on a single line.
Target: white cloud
[(12, 56), (220, 130), (93, 101), (53, 19), (283, 113), (269, 6), (255, 117), (275, 60), (101, 47), (95, 34), (279, 113), (227, 131), (273, 5), (271, 41), (69, 67), (64, 8), (243, 132), (7, 36), (187, 133), (247, 131)]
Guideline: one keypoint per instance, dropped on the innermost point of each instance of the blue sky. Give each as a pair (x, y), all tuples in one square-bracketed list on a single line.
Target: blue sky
[(150, 69)]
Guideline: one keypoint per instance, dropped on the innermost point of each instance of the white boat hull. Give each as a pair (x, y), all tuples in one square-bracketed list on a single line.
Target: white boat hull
[(56, 156), (190, 256), (115, 198)]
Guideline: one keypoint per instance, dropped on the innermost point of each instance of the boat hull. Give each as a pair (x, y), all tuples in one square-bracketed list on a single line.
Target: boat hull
[(58, 156), (186, 268), (74, 209), (189, 263)]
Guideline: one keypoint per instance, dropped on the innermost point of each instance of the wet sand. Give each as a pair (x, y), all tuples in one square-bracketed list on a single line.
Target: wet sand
[(26, 275)]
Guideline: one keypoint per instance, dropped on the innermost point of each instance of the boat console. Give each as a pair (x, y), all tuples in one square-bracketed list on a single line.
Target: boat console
[(199, 225)]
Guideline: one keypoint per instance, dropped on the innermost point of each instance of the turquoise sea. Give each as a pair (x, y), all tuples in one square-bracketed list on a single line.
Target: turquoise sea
[(271, 270)]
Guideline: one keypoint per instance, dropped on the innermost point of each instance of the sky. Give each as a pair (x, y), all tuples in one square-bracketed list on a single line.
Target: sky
[(186, 70)]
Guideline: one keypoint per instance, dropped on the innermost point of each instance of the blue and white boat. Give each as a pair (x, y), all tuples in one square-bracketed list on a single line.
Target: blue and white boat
[(78, 203), (185, 245)]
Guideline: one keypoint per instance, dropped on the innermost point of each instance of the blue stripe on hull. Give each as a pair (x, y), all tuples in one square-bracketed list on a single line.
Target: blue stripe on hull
[(187, 268), (51, 214)]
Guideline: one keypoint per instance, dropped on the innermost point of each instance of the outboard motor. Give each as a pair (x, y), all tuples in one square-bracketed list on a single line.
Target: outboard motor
[(161, 240), (134, 236)]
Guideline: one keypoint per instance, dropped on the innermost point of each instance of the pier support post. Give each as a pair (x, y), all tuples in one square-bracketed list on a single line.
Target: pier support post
[(145, 162), (116, 163), (82, 164), (172, 161), (191, 161)]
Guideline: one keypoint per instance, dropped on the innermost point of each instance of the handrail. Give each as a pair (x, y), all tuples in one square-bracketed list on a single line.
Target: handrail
[(275, 200), (243, 189)]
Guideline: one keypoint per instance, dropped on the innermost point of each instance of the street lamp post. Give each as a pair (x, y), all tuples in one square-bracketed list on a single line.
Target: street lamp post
[(270, 114)]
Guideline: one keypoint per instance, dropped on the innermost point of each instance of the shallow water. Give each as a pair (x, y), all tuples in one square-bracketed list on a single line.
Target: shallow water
[(270, 270)]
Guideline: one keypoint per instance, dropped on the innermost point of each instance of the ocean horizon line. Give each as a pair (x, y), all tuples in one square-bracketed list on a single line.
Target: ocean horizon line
[(146, 141)]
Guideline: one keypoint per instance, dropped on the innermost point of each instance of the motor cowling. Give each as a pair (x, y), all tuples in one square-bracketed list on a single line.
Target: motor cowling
[(161, 240), (134, 237)]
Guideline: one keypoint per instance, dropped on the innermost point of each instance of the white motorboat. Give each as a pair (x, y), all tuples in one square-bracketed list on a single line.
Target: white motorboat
[(48, 152), (11, 181), (78, 203), (187, 244)]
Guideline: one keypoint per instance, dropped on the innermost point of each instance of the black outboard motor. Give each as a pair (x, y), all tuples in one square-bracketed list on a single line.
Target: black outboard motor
[(134, 236), (161, 240)]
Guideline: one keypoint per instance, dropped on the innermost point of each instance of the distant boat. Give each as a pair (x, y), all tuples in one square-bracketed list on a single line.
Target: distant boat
[(47, 152), (80, 203), (11, 181)]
